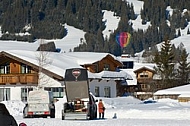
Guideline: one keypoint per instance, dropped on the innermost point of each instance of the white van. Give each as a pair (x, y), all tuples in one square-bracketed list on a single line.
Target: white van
[(40, 104)]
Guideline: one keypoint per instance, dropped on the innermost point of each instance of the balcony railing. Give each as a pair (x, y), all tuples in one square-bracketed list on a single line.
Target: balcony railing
[(144, 80), (19, 79)]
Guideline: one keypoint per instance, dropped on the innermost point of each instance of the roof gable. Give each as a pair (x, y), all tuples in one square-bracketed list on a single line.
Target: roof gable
[(144, 68)]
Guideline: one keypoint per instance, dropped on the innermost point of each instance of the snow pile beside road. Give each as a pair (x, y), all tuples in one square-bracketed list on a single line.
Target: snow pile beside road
[(15, 107)]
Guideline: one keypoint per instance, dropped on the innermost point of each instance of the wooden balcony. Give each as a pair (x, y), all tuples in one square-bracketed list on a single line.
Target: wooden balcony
[(144, 80), (23, 79)]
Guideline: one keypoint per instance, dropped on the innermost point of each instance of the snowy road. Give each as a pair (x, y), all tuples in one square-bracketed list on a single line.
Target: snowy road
[(107, 122)]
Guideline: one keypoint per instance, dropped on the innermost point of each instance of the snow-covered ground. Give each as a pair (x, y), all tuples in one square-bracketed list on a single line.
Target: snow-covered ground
[(129, 111)]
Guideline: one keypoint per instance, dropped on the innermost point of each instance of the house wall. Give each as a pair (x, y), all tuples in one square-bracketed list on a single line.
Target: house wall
[(171, 96), (10, 93), (102, 84), (15, 93), (183, 99)]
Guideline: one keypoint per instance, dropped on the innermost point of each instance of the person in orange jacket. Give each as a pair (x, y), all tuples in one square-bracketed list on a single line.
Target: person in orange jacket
[(101, 109)]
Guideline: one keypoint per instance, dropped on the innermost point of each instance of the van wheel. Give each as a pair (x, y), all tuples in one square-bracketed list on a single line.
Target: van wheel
[(25, 112), (63, 117)]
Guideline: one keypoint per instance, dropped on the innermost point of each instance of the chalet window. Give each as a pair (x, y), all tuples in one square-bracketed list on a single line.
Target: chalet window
[(57, 91), (24, 93), (5, 69), (47, 89), (144, 75), (97, 91), (144, 86), (106, 67), (127, 65), (4, 94), (25, 68), (107, 92)]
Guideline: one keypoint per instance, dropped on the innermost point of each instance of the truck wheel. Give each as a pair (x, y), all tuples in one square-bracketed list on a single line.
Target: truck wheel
[(91, 114), (52, 113), (95, 116)]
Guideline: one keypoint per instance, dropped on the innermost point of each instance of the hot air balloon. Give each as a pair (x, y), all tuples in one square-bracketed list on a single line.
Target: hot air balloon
[(123, 39)]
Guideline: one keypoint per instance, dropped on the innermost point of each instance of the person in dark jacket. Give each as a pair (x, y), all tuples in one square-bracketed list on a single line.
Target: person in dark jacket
[(5, 118)]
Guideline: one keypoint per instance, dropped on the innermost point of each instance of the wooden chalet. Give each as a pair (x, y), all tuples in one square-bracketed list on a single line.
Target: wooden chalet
[(108, 63), (19, 76), (145, 82)]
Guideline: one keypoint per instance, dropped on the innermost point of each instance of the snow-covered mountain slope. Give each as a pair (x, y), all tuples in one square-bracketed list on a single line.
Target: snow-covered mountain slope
[(74, 36)]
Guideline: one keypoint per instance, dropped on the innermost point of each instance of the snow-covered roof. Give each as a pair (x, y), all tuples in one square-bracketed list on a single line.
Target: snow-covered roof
[(59, 62), (132, 81), (88, 57), (184, 95), (119, 75), (176, 90)]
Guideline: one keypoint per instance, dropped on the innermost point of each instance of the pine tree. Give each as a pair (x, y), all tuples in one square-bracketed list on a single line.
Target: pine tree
[(165, 65), (184, 67), (179, 33), (99, 42)]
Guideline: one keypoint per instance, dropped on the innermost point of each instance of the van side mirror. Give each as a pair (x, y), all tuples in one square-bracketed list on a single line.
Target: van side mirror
[(96, 100)]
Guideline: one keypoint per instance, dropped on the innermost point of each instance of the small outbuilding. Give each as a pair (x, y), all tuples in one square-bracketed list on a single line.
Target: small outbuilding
[(177, 93), (184, 98)]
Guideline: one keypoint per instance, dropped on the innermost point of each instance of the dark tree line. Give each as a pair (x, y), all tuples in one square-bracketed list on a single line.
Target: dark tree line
[(45, 19)]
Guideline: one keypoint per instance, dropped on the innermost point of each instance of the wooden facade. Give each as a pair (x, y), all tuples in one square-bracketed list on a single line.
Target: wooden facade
[(19, 79), (14, 72), (184, 98), (171, 96)]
